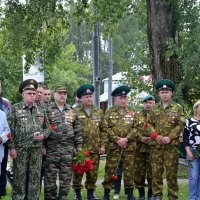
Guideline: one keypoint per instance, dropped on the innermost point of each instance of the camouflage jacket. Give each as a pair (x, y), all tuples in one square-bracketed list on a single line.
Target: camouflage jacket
[(65, 129), (94, 132), (23, 125), (121, 125), (167, 122), (142, 131)]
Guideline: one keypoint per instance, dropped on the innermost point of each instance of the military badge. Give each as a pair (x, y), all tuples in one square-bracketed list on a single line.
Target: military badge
[(97, 119), (173, 117), (69, 116)]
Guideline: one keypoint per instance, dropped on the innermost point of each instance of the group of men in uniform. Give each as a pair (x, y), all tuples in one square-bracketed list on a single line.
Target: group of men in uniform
[(60, 131)]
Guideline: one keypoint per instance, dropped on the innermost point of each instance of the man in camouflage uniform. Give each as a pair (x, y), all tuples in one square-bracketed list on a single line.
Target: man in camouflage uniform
[(167, 120), (29, 127), (64, 136), (91, 120), (121, 122), (142, 164), (45, 98), (39, 93)]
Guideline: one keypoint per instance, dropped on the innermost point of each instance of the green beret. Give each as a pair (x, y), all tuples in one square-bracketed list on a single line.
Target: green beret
[(148, 98), (121, 91), (29, 84), (60, 88), (84, 90), (165, 84)]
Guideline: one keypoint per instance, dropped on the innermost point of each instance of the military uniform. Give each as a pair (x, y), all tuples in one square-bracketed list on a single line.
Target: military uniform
[(24, 122), (94, 138), (142, 163), (65, 134), (120, 125), (92, 128), (169, 122)]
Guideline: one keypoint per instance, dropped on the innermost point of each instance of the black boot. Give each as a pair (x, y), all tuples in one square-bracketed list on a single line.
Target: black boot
[(141, 193), (78, 194), (129, 194), (106, 194), (150, 194), (90, 193)]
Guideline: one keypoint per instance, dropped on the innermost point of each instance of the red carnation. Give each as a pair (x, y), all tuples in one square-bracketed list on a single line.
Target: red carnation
[(86, 153), (89, 164), (81, 163), (114, 177), (146, 125), (52, 127), (9, 135), (154, 136)]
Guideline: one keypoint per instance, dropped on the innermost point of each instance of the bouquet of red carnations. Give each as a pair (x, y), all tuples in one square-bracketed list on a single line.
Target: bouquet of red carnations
[(82, 163)]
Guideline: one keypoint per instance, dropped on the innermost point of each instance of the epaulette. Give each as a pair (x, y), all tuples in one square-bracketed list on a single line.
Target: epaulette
[(15, 105), (69, 106), (177, 104)]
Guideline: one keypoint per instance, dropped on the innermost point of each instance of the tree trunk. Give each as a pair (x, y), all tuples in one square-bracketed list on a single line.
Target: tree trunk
[(161, 27)]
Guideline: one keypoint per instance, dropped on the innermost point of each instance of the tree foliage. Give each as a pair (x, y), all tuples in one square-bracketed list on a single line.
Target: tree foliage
[(46, 27)]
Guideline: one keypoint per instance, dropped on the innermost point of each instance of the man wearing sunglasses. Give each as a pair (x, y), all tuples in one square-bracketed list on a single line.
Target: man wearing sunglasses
[(29, 127)]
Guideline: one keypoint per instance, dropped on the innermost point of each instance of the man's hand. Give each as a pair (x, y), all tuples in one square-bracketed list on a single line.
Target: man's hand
[(145, 140), (122, 142), (13, 154), (159, 139), (44, 151), (39, 137), (1, 140), (166, 140), (101, 150)]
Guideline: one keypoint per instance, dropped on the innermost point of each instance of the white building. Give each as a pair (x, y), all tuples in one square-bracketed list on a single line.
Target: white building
[(119, 79)]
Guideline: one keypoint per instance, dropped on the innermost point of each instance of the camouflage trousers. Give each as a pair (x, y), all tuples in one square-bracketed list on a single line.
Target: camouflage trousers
[(57, 164), (164, 158), (142, 169), (30, 158), (112, 162), (91, 177)]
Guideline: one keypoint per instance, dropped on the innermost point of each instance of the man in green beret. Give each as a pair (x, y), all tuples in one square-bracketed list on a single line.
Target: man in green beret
[(65, 135), (142, 163), (94, 138), (121, 122), (29, 127), (167, 121)]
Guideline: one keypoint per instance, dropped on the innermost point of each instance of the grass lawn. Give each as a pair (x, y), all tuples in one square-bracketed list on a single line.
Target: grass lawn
[(183, 187), (183, 193)]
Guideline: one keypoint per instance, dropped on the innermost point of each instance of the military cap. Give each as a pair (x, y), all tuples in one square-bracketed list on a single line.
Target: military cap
[(29, 84), (122, 90), (148, 98), (60, 88), (165, 84), (84, 90)]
